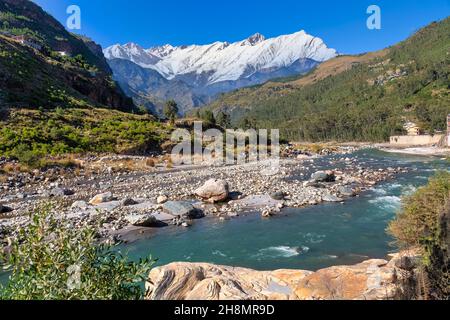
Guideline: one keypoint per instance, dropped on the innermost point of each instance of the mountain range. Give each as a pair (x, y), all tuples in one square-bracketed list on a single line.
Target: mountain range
[(367, 97), (195, 75)]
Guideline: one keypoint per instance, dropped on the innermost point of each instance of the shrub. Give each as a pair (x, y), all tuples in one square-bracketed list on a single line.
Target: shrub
[(424, 223), (52, 261)]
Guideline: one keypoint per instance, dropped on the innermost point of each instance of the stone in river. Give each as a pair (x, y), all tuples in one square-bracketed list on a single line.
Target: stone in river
[(331, 198), (141, 220), (213, 191), (346, 191), (179, 208)]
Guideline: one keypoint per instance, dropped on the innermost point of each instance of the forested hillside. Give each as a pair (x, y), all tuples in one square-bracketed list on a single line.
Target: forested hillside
[(369, 101)]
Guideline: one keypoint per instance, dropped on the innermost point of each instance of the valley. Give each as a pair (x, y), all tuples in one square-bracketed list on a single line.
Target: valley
[(86, 135)]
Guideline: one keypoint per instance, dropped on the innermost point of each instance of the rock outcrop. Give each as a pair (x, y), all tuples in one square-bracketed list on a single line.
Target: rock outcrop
[(370, 280)]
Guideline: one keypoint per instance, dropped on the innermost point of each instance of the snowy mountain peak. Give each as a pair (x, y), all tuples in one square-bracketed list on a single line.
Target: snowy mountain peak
[(223, 61), (255, 39)]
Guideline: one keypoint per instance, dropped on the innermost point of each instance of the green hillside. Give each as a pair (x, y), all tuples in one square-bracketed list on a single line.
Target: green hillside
[(367, 102), (53, 104), (45, 78)]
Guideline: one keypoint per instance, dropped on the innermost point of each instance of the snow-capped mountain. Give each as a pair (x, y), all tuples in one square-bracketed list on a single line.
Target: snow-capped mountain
[(221, 66)]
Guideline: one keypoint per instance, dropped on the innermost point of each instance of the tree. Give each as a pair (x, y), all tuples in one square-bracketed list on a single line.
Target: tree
[(208, 118), (142, 110), (53, 261), (223, 120), (171, 110)]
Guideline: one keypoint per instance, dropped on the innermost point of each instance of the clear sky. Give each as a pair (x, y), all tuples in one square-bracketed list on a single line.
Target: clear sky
[(340, 23)]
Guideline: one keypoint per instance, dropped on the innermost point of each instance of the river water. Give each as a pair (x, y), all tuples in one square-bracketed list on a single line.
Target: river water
[(309, 238)]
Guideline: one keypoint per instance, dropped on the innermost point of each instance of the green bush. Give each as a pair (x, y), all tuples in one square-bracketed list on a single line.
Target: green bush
[(423, 223), (52, 261)]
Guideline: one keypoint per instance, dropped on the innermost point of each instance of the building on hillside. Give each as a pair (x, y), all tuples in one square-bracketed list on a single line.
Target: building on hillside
[(412, 129), (27, 41), (416, 137)]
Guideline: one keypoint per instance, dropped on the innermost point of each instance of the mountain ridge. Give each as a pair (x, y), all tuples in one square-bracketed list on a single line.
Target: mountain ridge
[(367, 97), (221, 66)]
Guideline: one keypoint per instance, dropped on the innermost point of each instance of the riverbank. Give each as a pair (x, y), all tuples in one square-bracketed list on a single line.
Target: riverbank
[(165, 196), (419, 151)]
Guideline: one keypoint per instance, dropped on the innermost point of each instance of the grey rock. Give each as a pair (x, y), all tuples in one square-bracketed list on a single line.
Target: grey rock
[(60, 192), (331, 198), (80, 205), (322, 176), (141, 220), (108, 206), (163, 217), (128, 202), (179, 208), (278, 195), (346, 191)]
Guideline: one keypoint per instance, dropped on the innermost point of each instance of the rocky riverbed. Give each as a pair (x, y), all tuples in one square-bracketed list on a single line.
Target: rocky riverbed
[(163, 196)]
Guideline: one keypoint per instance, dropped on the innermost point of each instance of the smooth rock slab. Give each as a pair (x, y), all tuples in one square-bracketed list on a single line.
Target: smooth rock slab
[(370, 280)]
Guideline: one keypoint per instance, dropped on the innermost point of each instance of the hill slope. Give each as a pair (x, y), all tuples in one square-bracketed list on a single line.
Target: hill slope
[(45, 78), (356, 98), (53, 104)]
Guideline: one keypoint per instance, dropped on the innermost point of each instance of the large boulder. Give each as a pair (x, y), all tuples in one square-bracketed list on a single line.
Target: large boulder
[(179, 208), (213, 191)]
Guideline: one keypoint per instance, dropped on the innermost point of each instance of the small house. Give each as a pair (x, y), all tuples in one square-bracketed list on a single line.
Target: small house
[(27, 41), (412, 129)]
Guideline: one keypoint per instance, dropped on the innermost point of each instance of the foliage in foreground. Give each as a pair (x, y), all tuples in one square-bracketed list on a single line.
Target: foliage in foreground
[(53, 261), (424, 223)]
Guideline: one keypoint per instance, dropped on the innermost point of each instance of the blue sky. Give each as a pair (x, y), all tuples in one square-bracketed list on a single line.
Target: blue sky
[(341, 24)]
